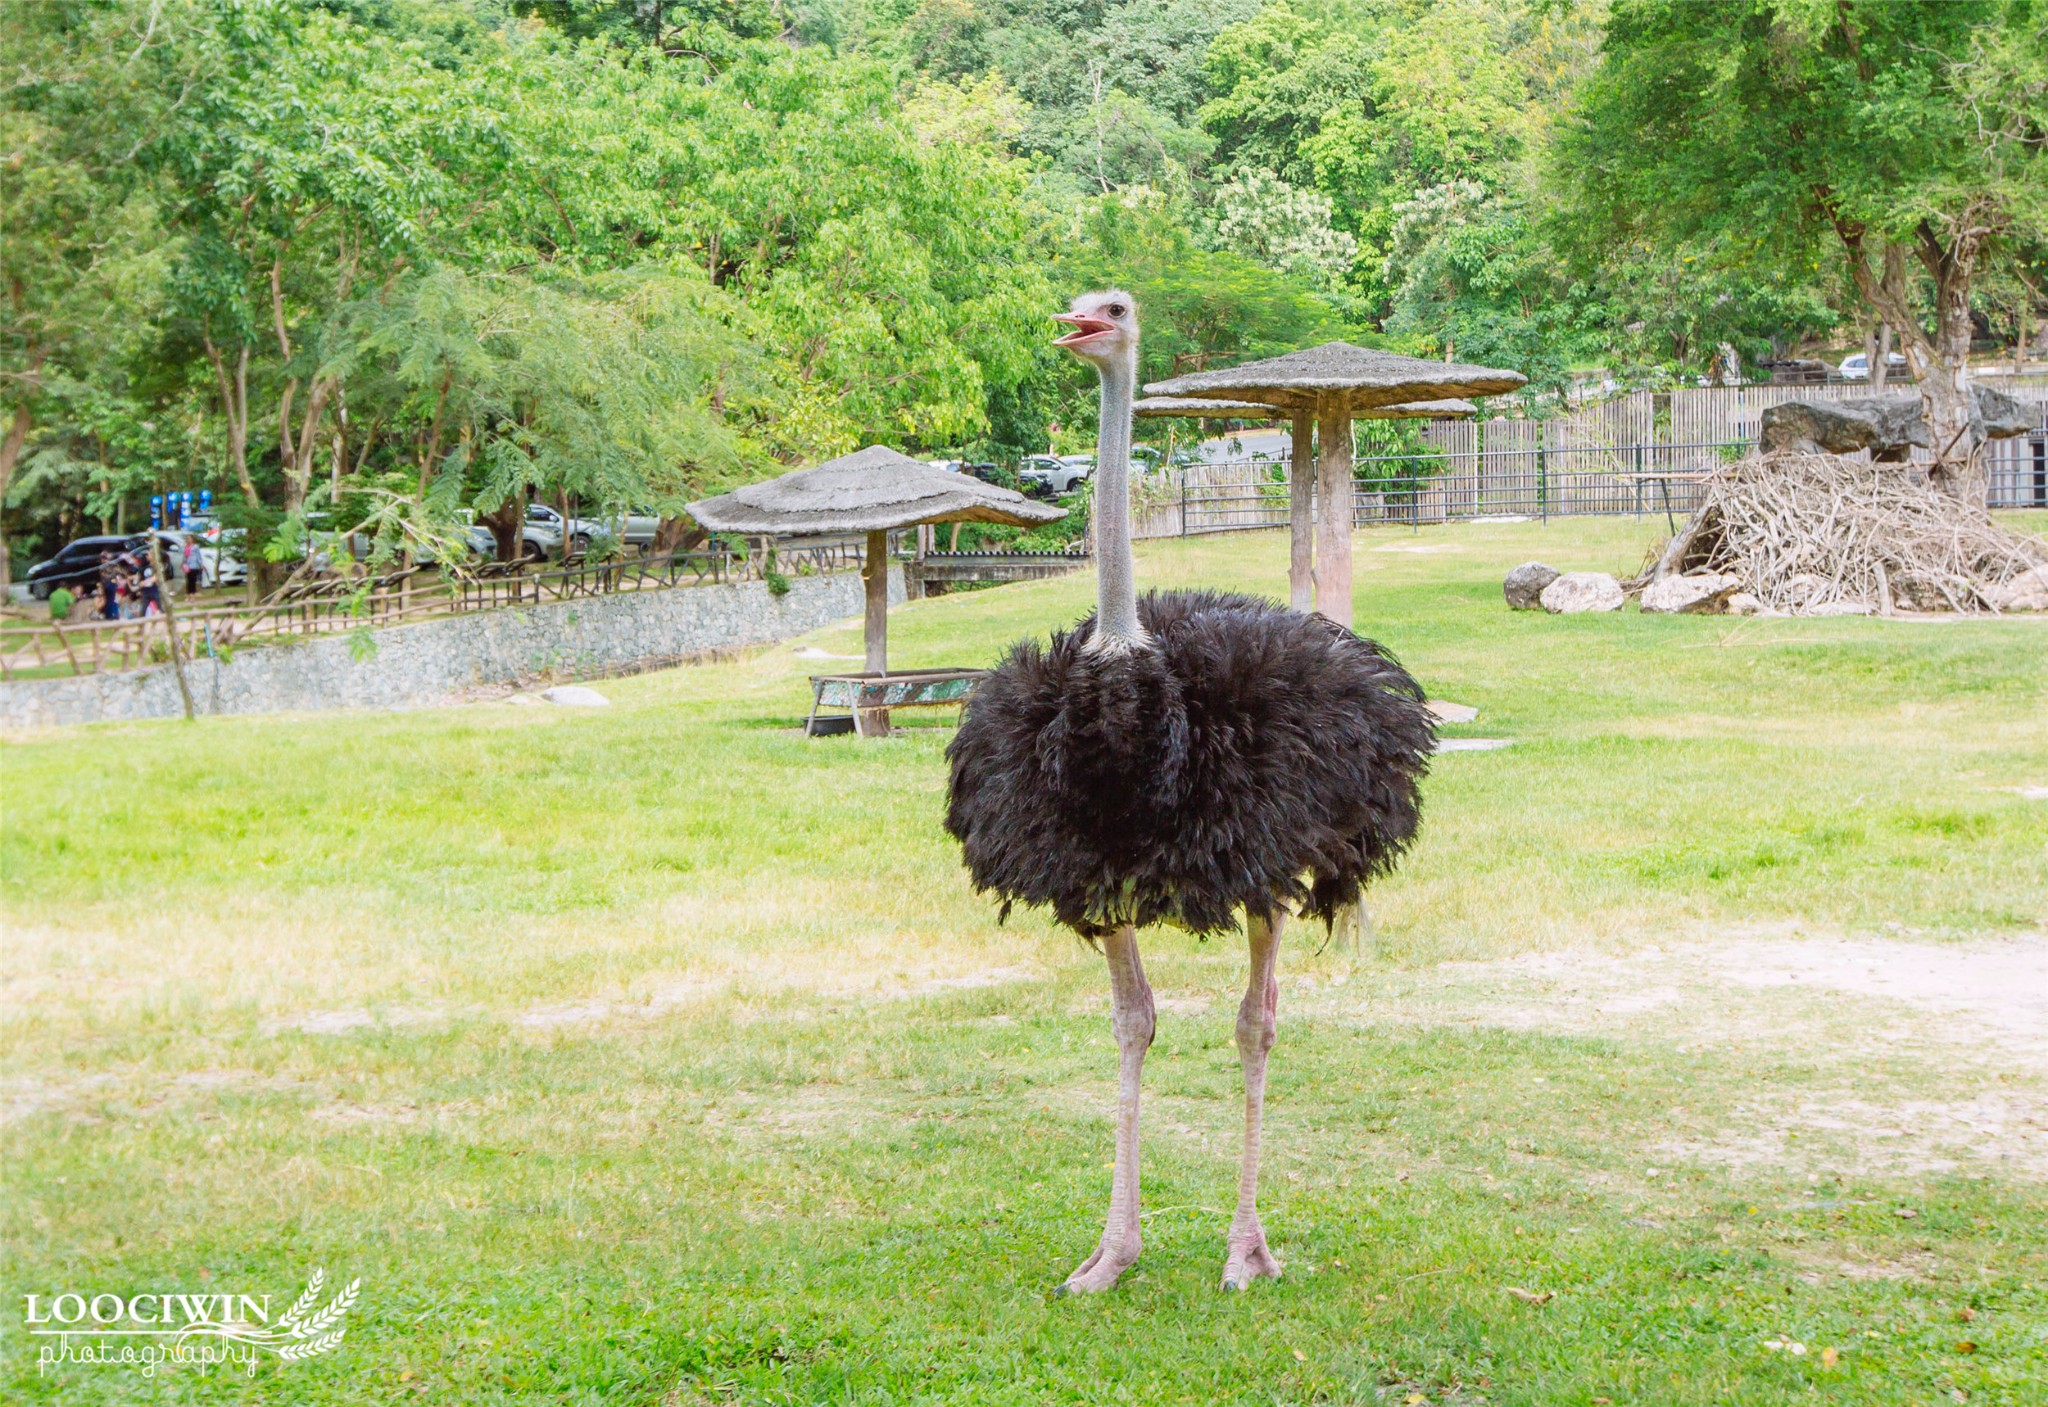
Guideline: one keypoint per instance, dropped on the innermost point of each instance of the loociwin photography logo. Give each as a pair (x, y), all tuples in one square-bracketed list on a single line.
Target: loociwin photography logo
[(152, 1330)]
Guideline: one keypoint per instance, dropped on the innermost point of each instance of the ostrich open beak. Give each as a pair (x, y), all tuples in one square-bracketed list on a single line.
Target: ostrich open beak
[(1086, 329)]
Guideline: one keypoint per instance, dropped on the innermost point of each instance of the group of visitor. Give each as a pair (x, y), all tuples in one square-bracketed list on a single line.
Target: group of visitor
[(128, 584)]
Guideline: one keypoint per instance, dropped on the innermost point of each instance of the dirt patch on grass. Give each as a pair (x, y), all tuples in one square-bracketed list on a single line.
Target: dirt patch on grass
[(1981, 1003), (347, 1020), (1994, 1131), (1857, 1056)]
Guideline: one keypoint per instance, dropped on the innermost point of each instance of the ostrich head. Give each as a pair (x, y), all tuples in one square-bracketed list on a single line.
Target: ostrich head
[(1105, 327)]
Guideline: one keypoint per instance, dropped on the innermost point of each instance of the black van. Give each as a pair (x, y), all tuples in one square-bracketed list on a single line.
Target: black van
[(78, 564)]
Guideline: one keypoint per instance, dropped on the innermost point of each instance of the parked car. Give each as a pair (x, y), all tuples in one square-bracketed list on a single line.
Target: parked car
[(634, 527), (77, 564), (1061, 475), (536, 540), (219, 552), (1857, 367)]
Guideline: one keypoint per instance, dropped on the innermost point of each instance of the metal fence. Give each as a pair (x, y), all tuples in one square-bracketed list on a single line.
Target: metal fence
[(1426, 487), (2019, 471), (1511, 468)]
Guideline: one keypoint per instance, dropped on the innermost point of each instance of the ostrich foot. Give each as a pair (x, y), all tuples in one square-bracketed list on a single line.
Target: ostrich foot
[(1250, 1259), (1100, 1270)]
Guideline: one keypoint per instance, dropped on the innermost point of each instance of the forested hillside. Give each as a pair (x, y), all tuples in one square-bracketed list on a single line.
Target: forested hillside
[(385, 259)]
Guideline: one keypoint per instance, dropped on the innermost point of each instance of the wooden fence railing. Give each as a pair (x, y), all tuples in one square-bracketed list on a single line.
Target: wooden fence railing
[(340, 605)]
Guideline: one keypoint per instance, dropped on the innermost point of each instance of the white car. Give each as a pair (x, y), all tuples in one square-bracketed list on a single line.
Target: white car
[(219, 552), (1857, 368), (633, 528), (1061, 475)]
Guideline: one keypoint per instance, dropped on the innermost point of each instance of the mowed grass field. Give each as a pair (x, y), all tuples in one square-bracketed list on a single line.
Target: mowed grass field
[(658, 1055)]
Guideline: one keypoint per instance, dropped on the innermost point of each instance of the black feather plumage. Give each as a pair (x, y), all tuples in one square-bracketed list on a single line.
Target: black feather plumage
[(1248, 758)]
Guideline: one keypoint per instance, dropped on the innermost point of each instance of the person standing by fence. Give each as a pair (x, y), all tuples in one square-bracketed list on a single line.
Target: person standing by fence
[(194, 566), (110, 601)]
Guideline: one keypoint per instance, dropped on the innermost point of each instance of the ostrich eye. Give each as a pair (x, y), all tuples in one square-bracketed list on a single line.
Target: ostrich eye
[(1117, 310)]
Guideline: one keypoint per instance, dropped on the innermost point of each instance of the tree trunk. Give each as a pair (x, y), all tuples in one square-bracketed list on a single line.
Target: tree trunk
[(1958, 469), (1334, 502), (505, 522), (10, 455), (1301, 514), (1940, 360), (682, 534), (1880, 358), (874, 571)]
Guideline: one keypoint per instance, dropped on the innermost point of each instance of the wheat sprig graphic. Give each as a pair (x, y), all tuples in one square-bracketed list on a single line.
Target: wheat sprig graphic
[(294, 1351), (318, 1324), (305, 1301)]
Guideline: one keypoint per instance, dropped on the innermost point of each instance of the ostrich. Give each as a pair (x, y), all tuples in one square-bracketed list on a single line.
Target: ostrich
[(1174, 759)]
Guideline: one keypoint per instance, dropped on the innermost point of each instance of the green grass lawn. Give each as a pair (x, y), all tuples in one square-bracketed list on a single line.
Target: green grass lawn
[(658, 1055)]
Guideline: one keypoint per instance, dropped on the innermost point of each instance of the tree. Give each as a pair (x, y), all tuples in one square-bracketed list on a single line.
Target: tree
[(80, 242), (304, 160), (1905, 138)]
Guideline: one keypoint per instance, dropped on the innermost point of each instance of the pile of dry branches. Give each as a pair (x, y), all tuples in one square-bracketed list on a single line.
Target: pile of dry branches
[(1807, 531)]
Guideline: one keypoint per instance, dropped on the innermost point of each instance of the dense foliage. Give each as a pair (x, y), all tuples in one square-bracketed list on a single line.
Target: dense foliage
[(389, 259)]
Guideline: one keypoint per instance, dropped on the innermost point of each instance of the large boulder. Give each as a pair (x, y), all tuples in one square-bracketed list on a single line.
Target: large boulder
[(1890, 427), (1524, 585), (1575, 592), (1703, 593), (2026, 592), (1999, 416)]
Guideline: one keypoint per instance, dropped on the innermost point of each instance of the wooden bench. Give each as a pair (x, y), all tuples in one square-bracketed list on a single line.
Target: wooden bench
[(867, 698)]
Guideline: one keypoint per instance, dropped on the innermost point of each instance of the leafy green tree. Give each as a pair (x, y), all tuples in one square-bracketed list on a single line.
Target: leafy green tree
[(82, 249), (1283, 227), (1903, 140), (301, 160)]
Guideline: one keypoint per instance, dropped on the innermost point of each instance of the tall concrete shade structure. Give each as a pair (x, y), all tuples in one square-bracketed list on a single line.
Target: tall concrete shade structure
[(1336, 383), (1301, 478), (874, 491)]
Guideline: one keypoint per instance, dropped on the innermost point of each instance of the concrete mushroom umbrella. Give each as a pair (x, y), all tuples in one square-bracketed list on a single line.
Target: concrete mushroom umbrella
[(1301, 478), (873, 491), (1337, 383)]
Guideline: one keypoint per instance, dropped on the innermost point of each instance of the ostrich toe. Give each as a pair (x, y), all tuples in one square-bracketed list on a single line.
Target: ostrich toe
[(1102, 1269), (1250, 1259)]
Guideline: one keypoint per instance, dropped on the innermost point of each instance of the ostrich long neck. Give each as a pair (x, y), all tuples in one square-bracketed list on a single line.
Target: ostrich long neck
[(1116, 587)]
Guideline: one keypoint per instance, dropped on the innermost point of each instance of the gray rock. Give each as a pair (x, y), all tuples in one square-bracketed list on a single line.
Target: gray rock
[(1841, 608), (1524, 585), (575, 696), (2026, 592), (1742, 603), (1999, 416), (1700, 594), (1575, 592), (1890, 427)]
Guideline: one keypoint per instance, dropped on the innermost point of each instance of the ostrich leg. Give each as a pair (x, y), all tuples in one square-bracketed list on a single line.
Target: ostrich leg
[(1130, 1004), (1257, 1021)]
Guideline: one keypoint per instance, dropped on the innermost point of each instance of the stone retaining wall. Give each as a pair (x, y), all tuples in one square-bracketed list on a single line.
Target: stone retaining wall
[(417, 665)]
